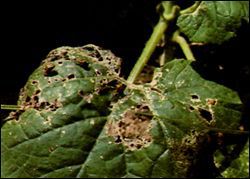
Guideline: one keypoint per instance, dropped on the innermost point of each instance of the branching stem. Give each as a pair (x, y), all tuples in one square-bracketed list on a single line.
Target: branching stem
[(169, 14)]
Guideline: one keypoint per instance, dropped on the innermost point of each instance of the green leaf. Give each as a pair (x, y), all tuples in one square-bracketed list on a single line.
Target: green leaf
[(213, 21), (157, 130), (64, 106), (239, 167), (153, 132)]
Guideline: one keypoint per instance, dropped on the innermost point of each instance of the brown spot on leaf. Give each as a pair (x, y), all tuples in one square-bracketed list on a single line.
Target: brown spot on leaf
[(133, 130), (211, 101)]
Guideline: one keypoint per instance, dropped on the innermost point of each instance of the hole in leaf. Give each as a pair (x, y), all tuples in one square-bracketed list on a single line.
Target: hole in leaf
[(54, 57), (194, 96), (49, 71), (43, 105), (205, 114), (117, 70), (98, 56), (35, 98), (85, 65), (191, 108), (118, 139), (27, 99), (98, 73), (37, 91), (81, 93), (71, 76), (34, 82)]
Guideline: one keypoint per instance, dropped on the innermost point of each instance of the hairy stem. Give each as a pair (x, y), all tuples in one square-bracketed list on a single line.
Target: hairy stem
[(184, 46)]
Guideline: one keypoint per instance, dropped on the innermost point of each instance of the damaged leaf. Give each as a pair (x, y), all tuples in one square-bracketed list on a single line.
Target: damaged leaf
[(167, 138), (64, 105), (214, 21), (66, 128)]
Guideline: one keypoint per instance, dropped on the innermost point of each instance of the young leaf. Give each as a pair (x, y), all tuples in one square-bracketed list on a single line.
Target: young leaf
[(214, 21)]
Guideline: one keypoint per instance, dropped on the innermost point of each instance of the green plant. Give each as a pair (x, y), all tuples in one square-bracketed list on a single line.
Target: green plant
[(76, 117)]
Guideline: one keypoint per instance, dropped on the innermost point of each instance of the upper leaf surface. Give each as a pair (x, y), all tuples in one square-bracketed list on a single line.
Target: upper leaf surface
[(153, 131), (64, 105), (214, 21)]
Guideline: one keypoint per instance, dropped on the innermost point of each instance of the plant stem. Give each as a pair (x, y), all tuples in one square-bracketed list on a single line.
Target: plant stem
[(191, 9), (9, 107), (158, 32), (184, 46), (155, 38)]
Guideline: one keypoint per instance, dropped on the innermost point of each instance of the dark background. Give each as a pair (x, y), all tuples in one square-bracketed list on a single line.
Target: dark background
[(29, 30)]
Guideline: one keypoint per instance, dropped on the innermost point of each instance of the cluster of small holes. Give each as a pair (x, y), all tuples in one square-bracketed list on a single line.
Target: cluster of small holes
[(110, 85), (105, 57), (49, 106), (103, 81), (133, 130), (15, 114), (206, 114), (34, 102), (59, 53)]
